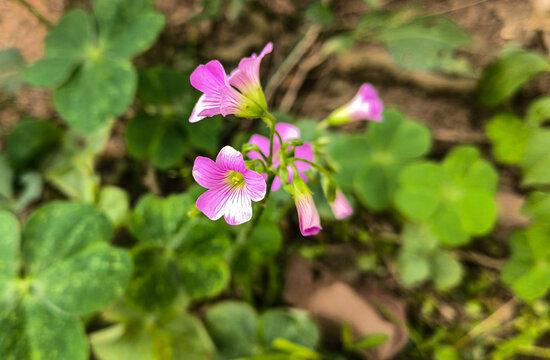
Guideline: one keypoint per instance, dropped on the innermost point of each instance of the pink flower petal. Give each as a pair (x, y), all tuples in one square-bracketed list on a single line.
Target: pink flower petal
[(287, 131), (340, 206), (212, 202), (209, 78), (310, 223), (303, 152), (263, 144), (276, 183), (230, 159), (255, 185), (238, 208), (206, 106), (207, 173), (246, 77)]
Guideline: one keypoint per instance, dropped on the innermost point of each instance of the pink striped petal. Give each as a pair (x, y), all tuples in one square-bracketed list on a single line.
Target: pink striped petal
[(206, 106), (255, 185), (207, 173), (238, 208), (246, 77), (230, 159), (340, 206), (310, 223), (212, 202)]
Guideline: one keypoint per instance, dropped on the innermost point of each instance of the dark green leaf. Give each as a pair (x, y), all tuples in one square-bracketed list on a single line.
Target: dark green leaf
[(506, 75)]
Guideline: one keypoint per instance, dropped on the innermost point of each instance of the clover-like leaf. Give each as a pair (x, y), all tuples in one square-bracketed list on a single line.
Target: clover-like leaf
[(162, 140), (527, 271), (392, 143), (503, 77), (69, 269), (30, 142), (115, 203), (126, 28), (535, 164), (455, 198), (90, 66), (292, 325), (160, 221), (155, 282), (234, 328), (371, 164), (101, 89), (537, 206), (181, 337), (539, 111), (425, 43), (67, 45), (422, 259), (509, 136)]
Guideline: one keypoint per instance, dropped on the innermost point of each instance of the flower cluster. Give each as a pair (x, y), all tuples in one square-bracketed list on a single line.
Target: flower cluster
[(280, 160)]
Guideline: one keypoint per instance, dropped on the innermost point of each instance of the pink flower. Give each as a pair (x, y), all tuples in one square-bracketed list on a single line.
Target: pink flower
[(340, 206), (310, 223), (246, 77), (366, 105), (287, 132), (239, 94), (231, 186)]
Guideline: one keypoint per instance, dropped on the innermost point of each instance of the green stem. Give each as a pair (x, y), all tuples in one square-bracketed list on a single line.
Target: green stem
[(35, 13), (315, 165)]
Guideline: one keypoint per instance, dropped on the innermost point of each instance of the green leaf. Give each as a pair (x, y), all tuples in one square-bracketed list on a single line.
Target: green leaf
[(71, 37), (182, 337), (101, 89), (30, 330), (160, 85), (347, 151), (50, 72), (446, 270), (413, 263), (294, 326), (32, 186), (155, 282), (536, 159), (126, 27), (159, 221), (371, 341), (263, 244), (503, 77), (115, 203), (537, 206), (59, 230), (205, 135), (509, 136), (539, 111), (426, 43), (205, 276), (9, 245), (204, 270), (160, 139), (11, 64), (233, 327), (455, 199), (527, 271), (319, 13), (30, 142), (85, 281)]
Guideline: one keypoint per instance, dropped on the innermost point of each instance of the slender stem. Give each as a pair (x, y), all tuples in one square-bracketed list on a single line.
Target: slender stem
[(35, 13), (315, 165)]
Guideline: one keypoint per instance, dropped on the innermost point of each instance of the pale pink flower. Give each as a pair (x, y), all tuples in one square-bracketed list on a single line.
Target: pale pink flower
[(246, 77), (340, 206), (287, 132), (231, 186), (308, 216), (239, 94), (365, 105)]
